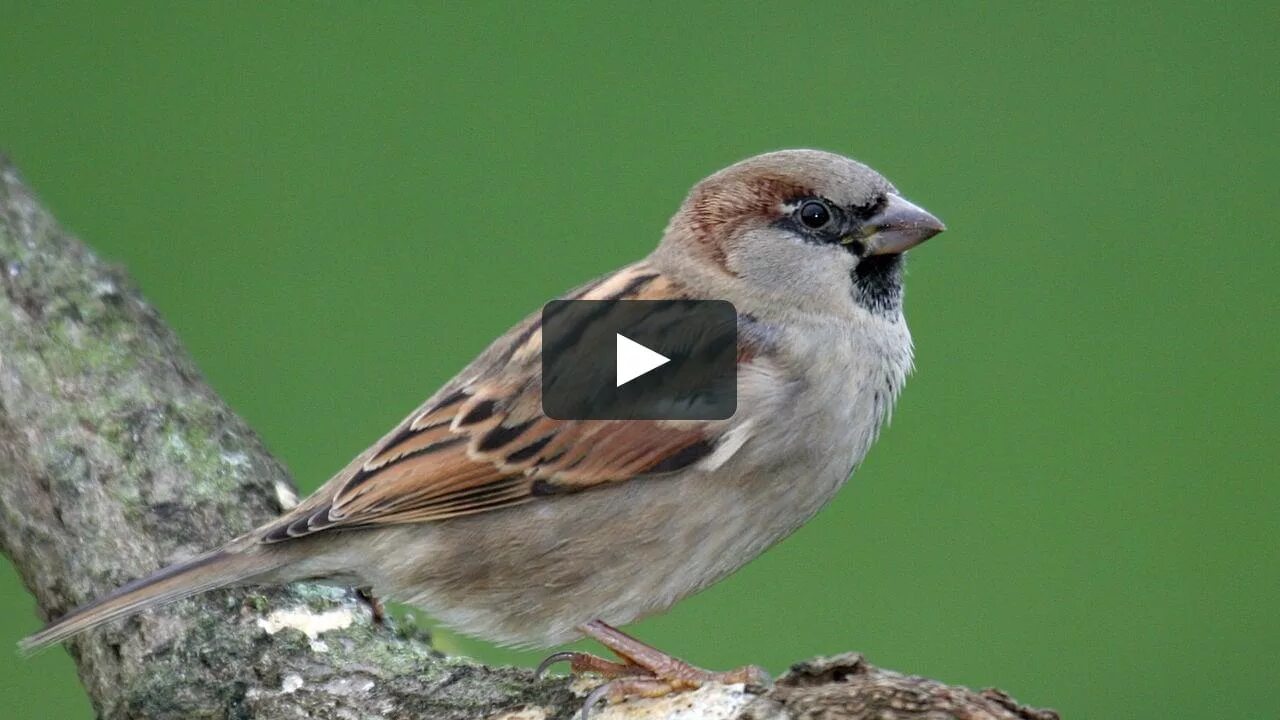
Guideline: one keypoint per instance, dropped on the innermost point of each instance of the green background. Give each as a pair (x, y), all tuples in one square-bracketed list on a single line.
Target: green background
[(1078, 498)]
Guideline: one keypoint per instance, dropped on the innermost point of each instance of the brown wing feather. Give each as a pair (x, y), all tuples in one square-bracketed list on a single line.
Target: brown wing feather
[(459, 469), (486, 445)]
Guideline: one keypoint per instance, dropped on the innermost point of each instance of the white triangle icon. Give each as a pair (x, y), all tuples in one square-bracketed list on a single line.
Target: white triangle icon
[(634, 360)]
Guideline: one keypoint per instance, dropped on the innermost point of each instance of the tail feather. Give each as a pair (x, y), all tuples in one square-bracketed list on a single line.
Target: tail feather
[(213, 570)]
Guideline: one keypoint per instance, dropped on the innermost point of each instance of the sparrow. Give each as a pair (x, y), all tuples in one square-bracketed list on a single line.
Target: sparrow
[(512, 526)]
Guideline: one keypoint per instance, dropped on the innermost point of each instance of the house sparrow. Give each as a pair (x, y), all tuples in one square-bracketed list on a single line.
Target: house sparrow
[(526, 530)]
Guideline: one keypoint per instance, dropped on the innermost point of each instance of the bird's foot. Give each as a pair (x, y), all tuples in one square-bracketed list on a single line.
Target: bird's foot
[(645, 671), (583, 663)]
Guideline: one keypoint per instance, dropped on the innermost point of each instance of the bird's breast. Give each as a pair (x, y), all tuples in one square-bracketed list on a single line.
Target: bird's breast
[(838, 382)]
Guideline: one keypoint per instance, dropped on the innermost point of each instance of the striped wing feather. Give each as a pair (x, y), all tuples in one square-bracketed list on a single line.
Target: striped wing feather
[(486, 445)]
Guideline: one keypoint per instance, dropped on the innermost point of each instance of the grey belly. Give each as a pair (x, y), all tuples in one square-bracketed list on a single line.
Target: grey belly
[(529, 575)]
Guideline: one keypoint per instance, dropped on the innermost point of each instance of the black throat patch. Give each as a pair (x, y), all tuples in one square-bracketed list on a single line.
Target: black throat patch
[(877, 283)]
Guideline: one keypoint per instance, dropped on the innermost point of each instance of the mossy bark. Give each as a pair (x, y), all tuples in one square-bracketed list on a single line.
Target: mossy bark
[(116, 458)]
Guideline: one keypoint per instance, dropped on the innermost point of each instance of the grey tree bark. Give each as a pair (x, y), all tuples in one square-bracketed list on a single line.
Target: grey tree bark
[(117, 458)]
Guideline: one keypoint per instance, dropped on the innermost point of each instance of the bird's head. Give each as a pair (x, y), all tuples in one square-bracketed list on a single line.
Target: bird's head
[(801, 226)]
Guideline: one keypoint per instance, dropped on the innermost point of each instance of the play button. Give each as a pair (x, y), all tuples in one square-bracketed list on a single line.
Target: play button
[(639, 359), (633, 359)]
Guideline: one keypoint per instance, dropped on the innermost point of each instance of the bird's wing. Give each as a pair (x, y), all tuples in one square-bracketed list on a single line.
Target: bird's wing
[(483, 442)]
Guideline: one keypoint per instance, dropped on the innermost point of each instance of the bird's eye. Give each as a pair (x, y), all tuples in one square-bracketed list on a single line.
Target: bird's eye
[(814, 215)]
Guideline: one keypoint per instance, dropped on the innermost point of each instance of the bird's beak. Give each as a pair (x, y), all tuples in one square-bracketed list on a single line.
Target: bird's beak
[(900, 226)]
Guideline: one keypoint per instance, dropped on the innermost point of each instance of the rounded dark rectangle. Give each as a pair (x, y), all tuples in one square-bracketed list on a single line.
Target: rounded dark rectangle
[(698, 339)]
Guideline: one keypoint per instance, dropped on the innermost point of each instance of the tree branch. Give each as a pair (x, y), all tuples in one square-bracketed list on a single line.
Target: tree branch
[(116, 458)]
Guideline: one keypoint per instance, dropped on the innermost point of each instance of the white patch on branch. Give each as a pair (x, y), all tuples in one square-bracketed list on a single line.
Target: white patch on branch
[(312, 624), (359, 685), (285, 495), (709, 702)]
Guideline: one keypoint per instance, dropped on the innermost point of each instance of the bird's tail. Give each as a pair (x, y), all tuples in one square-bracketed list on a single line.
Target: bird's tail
[(212, 570)]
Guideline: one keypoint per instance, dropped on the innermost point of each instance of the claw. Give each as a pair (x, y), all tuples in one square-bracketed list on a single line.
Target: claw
[(545, 665), (616, 691), (580, 663), (594, 697)]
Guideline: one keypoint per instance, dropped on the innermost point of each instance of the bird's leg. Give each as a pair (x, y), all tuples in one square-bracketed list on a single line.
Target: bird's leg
[(644, 672), (676, 673), (375, 605)]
